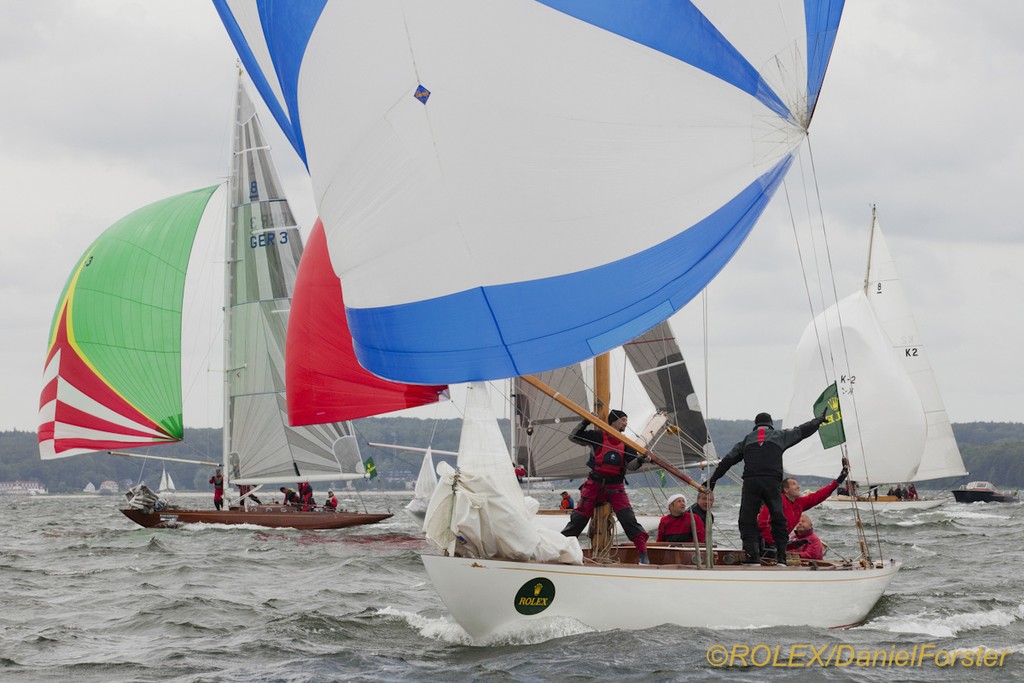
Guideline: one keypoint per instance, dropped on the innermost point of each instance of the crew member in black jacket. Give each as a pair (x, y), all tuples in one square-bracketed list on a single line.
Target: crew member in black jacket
[(761, 453)]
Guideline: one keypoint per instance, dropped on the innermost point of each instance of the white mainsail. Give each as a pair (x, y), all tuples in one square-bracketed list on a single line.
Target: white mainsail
[(885, 292)]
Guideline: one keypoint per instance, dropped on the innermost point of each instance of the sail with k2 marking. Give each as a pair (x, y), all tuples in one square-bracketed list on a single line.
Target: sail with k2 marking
[(638, 142)]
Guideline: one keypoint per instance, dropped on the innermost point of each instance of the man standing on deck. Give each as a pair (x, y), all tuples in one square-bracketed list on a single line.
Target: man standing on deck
[(609, 460), (218, 489), (761, 452)]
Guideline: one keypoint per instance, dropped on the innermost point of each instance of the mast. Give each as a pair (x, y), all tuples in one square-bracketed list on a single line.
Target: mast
[(229, 250), (602, 385), (871, 241)]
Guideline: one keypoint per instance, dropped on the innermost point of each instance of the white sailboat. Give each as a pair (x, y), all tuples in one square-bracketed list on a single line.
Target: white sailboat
[(495, 216), (889, 388), (166, 486), (426, 482)]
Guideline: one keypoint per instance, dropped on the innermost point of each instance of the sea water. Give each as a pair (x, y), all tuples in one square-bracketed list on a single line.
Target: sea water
[(87, 595)]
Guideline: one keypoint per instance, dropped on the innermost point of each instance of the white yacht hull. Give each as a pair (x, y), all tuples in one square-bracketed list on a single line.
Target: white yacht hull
[(485, 596), (843, 503)]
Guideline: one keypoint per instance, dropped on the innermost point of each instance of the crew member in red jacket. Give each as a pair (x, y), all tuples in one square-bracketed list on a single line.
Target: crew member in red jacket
[(218, 489), (794, 505), (675, 527), (609, 460), (805, 541)]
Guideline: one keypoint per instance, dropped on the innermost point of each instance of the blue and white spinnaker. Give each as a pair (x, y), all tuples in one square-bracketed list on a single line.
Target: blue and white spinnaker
[(509, 187)]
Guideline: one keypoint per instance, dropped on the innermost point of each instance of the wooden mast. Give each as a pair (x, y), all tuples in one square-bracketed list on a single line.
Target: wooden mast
[(602, 526)]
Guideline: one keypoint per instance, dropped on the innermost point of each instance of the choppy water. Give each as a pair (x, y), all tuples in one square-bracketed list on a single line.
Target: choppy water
[(89, 596)]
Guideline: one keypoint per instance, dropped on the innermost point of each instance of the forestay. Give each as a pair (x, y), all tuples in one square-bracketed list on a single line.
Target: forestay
[(487, 130)]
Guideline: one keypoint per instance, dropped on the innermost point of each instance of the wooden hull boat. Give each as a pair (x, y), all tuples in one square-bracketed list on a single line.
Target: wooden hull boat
[(273, 516), (881, 503)]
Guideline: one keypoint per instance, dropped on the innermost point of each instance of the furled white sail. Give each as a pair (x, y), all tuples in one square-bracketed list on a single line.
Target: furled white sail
[(885, 292), (882, 416), (426, 482), (479, 510)]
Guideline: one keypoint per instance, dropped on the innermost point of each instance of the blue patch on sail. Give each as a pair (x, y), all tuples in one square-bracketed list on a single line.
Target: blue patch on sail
[(422, 94), (287, 27), (822, 24), (525, 327), (680, 30)]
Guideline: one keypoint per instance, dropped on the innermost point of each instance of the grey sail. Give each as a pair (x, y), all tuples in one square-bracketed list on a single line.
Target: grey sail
[(677, 431), (264, 247), (542, 426), (683, 437)]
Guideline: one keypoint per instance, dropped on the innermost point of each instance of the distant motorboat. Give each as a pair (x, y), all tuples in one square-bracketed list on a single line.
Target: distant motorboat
[(983, 492)]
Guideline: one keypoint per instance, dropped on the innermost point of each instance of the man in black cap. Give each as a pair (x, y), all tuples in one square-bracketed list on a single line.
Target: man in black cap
[(609, 460), (761, 453)]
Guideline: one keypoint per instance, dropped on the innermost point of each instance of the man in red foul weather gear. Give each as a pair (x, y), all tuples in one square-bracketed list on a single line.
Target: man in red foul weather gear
[(794, 505), (306, 496), (805, 541), (678, 525), (332, 501), (609, 460), (218, 489)]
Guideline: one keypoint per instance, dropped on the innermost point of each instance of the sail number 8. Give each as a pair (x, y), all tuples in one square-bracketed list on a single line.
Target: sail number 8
[(267, 239)]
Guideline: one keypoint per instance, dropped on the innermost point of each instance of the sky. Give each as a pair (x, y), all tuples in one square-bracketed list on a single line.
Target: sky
[(110, 105)]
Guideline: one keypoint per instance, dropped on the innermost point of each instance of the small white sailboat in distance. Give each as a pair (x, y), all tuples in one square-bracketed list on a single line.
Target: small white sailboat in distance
[(166, 484)]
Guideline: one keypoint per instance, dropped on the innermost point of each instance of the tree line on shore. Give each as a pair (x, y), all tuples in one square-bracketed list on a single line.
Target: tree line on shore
[(992, 451)]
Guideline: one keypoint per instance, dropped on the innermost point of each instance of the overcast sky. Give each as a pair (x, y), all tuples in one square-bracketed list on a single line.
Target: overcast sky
[(108, 106)]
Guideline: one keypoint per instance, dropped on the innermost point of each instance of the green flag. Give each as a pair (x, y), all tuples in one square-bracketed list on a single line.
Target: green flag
[(371, 469), (661, 475), (831, 433)]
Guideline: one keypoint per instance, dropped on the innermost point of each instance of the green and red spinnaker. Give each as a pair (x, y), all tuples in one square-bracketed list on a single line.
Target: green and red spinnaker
[(112, 377)]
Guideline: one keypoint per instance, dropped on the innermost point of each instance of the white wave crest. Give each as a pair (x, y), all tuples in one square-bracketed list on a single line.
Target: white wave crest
[(949, 626), (530, 633)]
